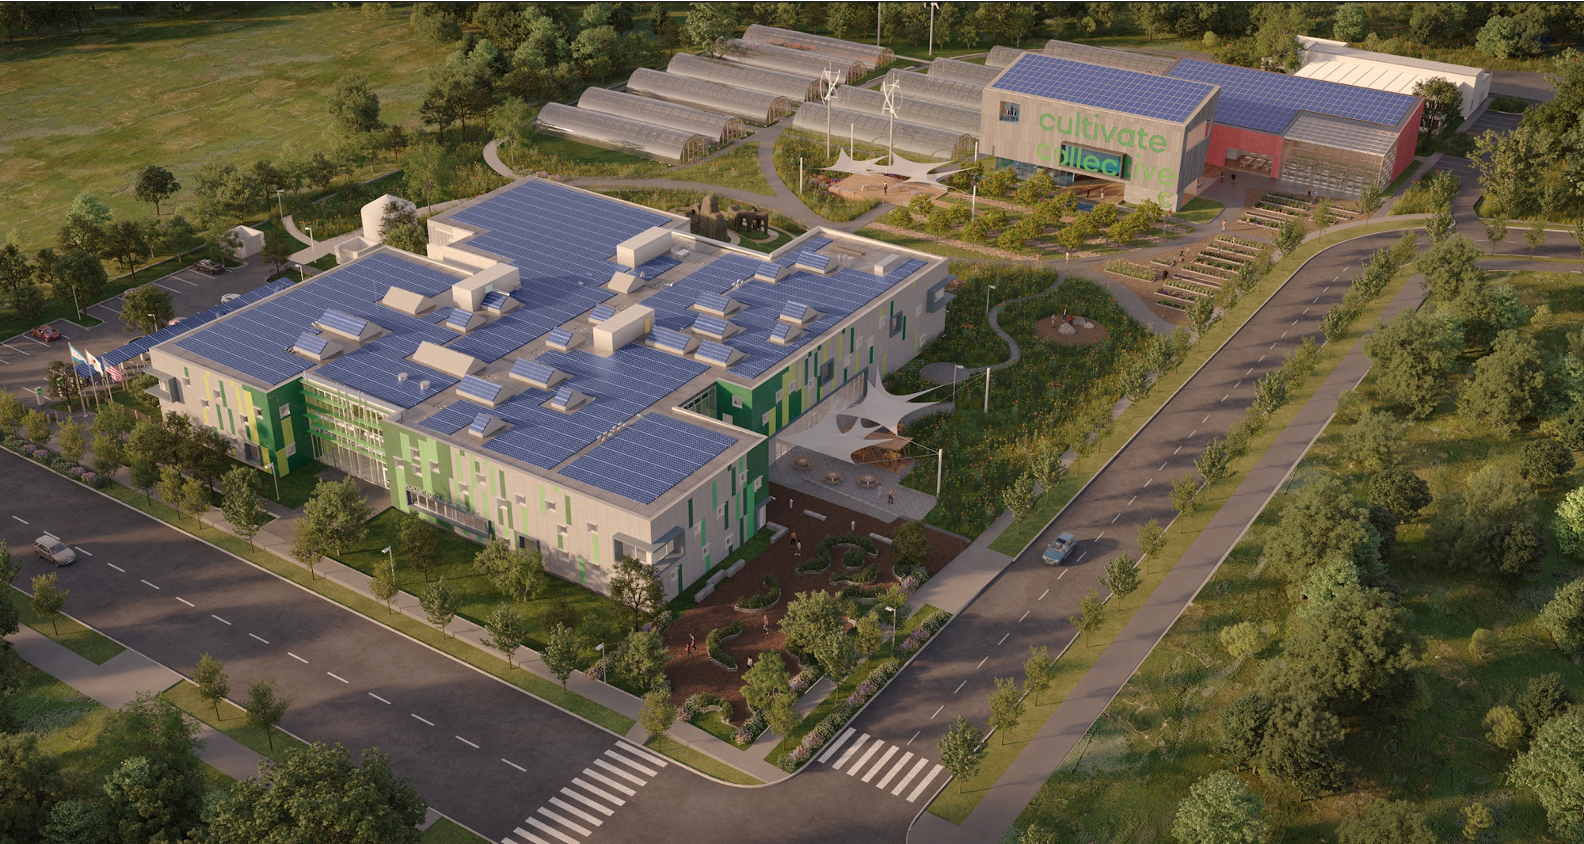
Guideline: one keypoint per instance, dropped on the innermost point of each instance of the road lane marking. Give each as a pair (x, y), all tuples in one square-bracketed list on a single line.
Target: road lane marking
[(1043, 594), (884, 758), (642, 769), (150, 585), (864, 760), (568, 807), (344, 680), (1163, 465), (1174, 454), (1237, 385), (1247, 374), (836, 745), (599, 791), (1004, 638), (1227, 396), (910, 741), (185, 601), (980, 665), (1098, 538), (923, 783), (116, 567), (1306, 310), (890, 775), (20, 519), (643, 754), (370, 694), (1025, 615), (80, 548), (959, 687), (854, 749), (581, 830), (219, 619), (517, 766), (1284, 334), (576, 796), (609, 782), (1147, 483), (260, 638), (1294, 322), (1204, 420), (1191, 436), (1131, 500), (421, 718), (466, 742), (15, 349), (296, 657), (910, 775), (937, 711), (1114, 518), (1075, 562), (619, 772)]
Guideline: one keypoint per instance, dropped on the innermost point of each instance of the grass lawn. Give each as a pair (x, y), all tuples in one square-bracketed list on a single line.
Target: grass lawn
[(1403, 177), (955, 803), (598, 618), (324, 262), (295, 488), (737, 167), (922, 243), (231, 83), (538, 687), (446, 831), (1152, 742), (572, 158), (232, 721), (83, 641), (272, 224), (792, 146), (1200, 210), (665, 746), (777, 239)]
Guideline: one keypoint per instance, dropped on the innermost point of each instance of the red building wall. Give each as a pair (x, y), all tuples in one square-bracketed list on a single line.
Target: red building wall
[(1248, 140), (1407, 140)]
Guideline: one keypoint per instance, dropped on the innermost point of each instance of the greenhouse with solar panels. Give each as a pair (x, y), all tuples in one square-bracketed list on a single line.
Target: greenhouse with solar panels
[(562, 371)]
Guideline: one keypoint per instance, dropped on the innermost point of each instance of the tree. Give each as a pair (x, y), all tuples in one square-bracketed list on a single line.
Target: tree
[(640, 659), (354, 107), (910, 545), (109, 454), (48, 598), (76, 822), (867, 635), (1369, 441), (1220, 809), (338, 512), (1553, 768), (1504, 727), (239, 503), (1386, 822), (439, 603), (1477, 821), (10, 567), (73, 440), (434, 24), (15, 270), (512, 122), (706, 23), (1290, 235), (319, 794), (1243, 640), (1151, 538), (1468, 528), (1569, 523), (834, 652), (127, 242), (1185, 494), (809, 617), (146, 309), (1370, 198), (28, 302), (514, 572), (1403, 493), (1321, 519), (1036, 671), (962, 750), (507, 630), (213, 685), (1353, 647), (427, 171), (144, 472), (12, 412), (1299, 742), (1350, 23), (1091, 613), (419, 543), (1440, 224), (1121, 576), (1201, 315), (1414, 355), (1495, 231), (1443, 108), (79, 277), (383, 585), (1006, 706), (658, 713), (154, 799), (155, 184), (30, 783), (1499, 38), (1019, 496), (1534, 237), (1545, 461), (1563, 618), (635, 586), (36, 428), (265, 708), (561, 653)]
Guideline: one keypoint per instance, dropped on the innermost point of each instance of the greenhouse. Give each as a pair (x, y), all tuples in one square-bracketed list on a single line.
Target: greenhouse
[(754, 106), (1002, 56), (978, 74), (872, 58), (937, 89), (914, 138), (925, 112), (719, 128), (793, 87), (1124, 59), (787, 60), (621, 133)]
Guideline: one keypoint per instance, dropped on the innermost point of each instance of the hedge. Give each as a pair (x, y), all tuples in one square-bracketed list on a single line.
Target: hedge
[(712, 643), (767, 598)]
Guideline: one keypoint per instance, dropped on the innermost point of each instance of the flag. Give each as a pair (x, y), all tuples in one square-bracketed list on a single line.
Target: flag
[(92, 361), (76, 356), (114, 372)]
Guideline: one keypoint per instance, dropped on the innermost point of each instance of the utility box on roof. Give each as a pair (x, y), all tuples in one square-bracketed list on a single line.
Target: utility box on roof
[(468, 294), (629, 324), (643, 247)]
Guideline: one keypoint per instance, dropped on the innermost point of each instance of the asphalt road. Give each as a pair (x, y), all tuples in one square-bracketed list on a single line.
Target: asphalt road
[(349, 679)]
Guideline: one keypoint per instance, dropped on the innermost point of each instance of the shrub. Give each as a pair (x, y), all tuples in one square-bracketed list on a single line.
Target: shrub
[(1543, 462), (712, 643), (750, 730), (852, 558), (867, 575), (767, 598), (703, 702)]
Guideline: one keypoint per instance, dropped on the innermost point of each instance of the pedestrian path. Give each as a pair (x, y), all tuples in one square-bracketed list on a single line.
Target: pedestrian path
[(578, 810), (888, 767)]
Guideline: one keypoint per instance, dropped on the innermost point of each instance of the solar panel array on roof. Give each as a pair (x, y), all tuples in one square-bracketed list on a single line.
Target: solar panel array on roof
[(796, 311), (781, 332), (493, 300), (312, 344), (713, 302), (716, 353), (128, 351), (712, 326), (767, 270), (656, 266), (812, 261), (1114, 89), (455, 318), (648, 457), (562, 398), (602, 313), (254, 342), (533, 371), (669, 339), (559, 337), (480, 422), (343, 322), (475, 387), (1268, 102)]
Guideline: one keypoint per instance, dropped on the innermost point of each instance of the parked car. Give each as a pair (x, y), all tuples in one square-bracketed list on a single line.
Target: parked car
[(50, 548), (209, 266), (45, 333), (1059, 548)]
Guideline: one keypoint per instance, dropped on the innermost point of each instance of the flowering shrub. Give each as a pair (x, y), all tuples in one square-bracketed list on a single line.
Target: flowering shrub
[(703, 702), (867, 575), (924, 631), (805, 679), (596, 671), (876, 681), (750, 730)]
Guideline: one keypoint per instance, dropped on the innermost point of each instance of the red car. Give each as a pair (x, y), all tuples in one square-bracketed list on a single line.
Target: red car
[(45, 333)]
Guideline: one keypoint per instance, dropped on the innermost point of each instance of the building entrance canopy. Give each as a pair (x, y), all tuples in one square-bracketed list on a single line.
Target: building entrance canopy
[(883, 414)]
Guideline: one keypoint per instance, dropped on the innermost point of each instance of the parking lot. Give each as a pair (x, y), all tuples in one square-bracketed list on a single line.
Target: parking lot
[(1496, 121), (24, 360)]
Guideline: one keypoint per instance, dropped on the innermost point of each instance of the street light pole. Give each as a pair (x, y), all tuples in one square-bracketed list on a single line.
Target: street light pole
[(940, 464), (276, 475), (987, 390), (987, 297), (892, 611), (280, 200), (604, 663), (933, 6)]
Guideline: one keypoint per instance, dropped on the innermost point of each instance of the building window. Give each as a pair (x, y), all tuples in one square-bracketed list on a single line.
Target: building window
[(827, 372), (759, 482), (257, 413), (737, 402), (285, 411), (593, 528), (778, 395), (898, 322), (289, 450), (765, 421), (1009, 112), (434, 467)]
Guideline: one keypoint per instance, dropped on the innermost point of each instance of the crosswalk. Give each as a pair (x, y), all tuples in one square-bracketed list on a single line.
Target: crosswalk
[(592, 797), (888, 767)]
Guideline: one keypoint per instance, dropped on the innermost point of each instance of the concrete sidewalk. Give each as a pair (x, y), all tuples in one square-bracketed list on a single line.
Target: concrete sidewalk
[(1005, 801), (119, 681)]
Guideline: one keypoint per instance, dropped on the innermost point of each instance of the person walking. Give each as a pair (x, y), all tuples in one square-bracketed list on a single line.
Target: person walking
[(692, 642), (767, 622), (797, 547), (890, 496), (1223, 225)]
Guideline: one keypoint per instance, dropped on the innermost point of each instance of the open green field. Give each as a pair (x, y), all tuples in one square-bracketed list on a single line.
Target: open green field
[(235, 83), (1124, 781)]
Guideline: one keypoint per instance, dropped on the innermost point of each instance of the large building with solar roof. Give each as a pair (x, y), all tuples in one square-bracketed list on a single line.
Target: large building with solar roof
[(1167, 128), (563, 371)]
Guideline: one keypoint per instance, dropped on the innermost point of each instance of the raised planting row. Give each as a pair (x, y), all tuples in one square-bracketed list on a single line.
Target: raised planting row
[(1251, 219), (1212, 272), (1131, 270), (821, 558), (1192, 286), (1175, 304), (712, 644), (1235, 241), (764, 600)]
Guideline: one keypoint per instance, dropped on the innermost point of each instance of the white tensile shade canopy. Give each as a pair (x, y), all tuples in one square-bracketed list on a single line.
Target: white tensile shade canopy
[(877, 406)]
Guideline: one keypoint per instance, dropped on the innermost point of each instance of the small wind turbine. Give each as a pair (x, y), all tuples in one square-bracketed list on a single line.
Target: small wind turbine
[(830, 80), (892, 98)]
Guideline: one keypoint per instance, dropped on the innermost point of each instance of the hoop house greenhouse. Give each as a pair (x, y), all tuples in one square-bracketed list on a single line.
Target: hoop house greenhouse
[(937, 89), (872, 58), (914, 138), (755, 106), (787, 60), (977, 74), (1002, 56), (719, 128), (621, 133), (793, 87), (959, 120)]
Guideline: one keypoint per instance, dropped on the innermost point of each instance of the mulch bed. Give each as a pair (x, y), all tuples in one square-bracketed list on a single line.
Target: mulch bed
[(696, 672), (1048, 328)]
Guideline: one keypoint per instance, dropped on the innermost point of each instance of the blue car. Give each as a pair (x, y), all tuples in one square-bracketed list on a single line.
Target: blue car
[(1060, 547)]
